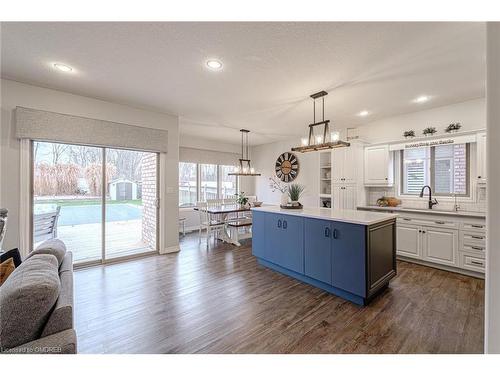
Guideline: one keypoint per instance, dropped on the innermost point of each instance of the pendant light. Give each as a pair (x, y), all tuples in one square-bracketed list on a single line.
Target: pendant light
[(323, 140), (244, 168)]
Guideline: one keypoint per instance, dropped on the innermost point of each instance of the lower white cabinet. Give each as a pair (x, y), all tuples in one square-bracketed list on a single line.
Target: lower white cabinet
[(344, 197), (440, 245), (437, 245)]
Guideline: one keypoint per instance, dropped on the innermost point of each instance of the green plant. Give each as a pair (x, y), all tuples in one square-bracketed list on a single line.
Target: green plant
[(429, 130), (453, 127), (409, 133), (295, 191), (241, 198)]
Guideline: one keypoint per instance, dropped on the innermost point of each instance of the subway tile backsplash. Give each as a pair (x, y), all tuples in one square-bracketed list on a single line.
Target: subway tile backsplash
[(374, 193)]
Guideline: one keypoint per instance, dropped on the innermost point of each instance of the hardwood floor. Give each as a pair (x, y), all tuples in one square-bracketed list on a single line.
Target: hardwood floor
[(222, 301)]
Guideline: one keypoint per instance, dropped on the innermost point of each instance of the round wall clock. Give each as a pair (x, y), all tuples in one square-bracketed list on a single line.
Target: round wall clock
[(287, 167)]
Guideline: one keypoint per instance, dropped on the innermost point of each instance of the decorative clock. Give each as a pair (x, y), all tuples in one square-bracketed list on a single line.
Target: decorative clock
[(287, 167)]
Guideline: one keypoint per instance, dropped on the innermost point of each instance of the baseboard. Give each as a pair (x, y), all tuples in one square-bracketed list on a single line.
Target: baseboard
[(171, 249), (442, 267)]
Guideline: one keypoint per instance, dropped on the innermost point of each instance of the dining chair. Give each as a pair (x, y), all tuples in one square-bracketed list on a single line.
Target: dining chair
[(207, 222)]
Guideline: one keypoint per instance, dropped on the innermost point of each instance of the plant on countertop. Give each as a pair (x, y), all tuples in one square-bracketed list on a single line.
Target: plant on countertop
[(429, 131), (277, 185), (295, 191), (453, 127), (241, 199), (409, 134)]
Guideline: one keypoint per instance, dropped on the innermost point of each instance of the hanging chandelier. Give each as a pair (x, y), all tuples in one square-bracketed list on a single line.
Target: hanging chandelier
[(323, 140), (244, 168)]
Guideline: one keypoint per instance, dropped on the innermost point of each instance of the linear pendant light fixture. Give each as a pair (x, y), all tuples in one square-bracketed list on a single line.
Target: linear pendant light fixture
[(244, 168), (323, 141)]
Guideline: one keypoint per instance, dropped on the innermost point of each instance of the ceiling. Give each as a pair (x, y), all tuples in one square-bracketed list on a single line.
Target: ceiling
[(270, 69)]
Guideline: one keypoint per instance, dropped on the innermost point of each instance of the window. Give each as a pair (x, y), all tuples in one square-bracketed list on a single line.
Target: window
[(445, 168), (229, 183), (208, 182), (188, 191)]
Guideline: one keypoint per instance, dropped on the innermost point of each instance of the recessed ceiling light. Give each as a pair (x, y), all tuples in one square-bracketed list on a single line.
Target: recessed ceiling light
[(421, 99), (363, 113), (63, 68), (214, 64)]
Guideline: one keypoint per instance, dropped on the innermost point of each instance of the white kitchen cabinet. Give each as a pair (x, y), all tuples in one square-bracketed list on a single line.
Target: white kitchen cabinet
[(440, 245), (344, 162), (409, 241), (344, 197), (481, 158), (378, 166)]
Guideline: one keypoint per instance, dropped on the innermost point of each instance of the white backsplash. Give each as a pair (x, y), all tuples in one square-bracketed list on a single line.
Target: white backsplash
[(374, 193)]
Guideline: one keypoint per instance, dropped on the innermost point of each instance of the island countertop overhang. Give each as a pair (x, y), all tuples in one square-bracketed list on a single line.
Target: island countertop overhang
[(346, 216)]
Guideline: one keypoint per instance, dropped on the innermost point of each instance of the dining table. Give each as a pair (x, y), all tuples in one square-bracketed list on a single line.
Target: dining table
[(223, 211)]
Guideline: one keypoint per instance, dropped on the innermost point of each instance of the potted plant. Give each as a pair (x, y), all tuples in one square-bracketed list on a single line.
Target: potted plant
[(453, 128), (276, 185), (294, 192), (242, 199), (429, 131), (409, 134)]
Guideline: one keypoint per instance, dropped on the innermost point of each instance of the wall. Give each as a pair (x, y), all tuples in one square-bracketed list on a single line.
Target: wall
[(492, 307), (17, 94)]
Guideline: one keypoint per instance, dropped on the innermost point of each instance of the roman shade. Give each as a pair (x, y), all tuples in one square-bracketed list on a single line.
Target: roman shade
[(57, 127), (455, 140), (194, 155)]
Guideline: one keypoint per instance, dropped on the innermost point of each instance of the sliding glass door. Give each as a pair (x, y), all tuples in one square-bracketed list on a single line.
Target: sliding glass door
[(101, 210)]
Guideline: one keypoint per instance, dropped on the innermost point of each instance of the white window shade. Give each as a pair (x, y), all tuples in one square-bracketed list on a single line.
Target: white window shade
[(56, 127), (194, 155)]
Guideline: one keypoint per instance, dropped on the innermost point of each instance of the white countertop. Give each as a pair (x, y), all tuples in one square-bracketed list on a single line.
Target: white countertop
[(478, 214), (347, 216)]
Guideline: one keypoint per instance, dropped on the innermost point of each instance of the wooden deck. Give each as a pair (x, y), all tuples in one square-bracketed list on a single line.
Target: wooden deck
[(222, 301), (85, 240)]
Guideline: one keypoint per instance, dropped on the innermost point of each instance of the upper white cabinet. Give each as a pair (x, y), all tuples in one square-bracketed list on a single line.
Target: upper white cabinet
[(344, 161), (481, 158), (378, 166)]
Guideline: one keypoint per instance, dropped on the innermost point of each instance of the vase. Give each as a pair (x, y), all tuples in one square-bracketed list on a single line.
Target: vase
[(284, 199)]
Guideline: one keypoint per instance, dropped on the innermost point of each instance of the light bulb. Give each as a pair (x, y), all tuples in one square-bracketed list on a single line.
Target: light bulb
[(237, 169), (252, 170), (304, 141), (245, 170), (319, 139), (334, 136)]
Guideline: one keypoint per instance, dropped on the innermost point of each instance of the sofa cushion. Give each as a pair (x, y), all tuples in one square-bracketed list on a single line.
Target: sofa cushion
[(27, 299), (6, 268), (53, 246)]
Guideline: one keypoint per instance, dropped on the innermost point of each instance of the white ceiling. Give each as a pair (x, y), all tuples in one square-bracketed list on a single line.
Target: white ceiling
[(270, 69)]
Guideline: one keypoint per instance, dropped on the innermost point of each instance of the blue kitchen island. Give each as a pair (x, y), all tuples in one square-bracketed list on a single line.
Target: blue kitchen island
[(349, 253)]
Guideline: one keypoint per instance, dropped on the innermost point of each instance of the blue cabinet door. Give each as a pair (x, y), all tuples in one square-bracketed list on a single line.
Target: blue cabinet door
[(274, 233), (348, 257), (318, 250), (258, 234), (291, 253)]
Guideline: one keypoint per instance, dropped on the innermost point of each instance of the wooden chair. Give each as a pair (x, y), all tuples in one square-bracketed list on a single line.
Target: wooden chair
[(207, 222), (45, 225)]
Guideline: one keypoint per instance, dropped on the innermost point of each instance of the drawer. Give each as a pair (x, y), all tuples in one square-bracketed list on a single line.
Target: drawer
[(478, 227), (473, 249), (472, 262), (430, 223), (473, 238)]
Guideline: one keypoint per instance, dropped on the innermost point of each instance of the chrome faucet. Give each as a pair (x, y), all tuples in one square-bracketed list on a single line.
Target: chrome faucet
[(432, 202)]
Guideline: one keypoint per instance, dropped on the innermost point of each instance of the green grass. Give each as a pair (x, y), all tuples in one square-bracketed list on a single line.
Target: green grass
[(86, 202)]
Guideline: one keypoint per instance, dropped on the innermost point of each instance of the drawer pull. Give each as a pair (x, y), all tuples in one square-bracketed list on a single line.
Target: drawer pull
[(440, 222), (335, 233), (477, 248), (476, 263), (327, 232), (279, 223), (406, 219), (477, 226), (478, 237)]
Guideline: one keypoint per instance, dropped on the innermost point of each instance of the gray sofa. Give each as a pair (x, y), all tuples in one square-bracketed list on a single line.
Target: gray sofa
[(36, 303)]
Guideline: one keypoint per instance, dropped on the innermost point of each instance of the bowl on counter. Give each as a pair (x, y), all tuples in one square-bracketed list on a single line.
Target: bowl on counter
[(257, 204)]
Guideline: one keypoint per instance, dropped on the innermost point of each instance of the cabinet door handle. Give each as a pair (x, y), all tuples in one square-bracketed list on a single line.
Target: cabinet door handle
[(406, 219), (478, 237), (279, 223), (284, 224), (335, 234), (440, 222), (477, 248), (478, 176), (327, 232), (477, 226), (423, 231)]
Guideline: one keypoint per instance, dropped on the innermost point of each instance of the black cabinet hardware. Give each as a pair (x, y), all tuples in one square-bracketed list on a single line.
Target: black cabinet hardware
[(279, 223)]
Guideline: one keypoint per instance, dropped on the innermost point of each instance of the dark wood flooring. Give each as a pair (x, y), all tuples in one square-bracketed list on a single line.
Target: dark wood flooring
[(222, 301)]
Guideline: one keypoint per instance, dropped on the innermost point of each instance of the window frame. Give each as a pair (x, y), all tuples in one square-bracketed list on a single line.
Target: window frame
[(467, 195), (198, 182)]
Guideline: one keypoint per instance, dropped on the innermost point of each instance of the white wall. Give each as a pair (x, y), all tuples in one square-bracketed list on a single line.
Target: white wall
[(17, 94), (492, 307), (207, 144), (470, 114)]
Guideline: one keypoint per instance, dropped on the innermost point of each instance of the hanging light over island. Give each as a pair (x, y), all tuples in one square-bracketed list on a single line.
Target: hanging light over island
[(244, 167), (323, 140)]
